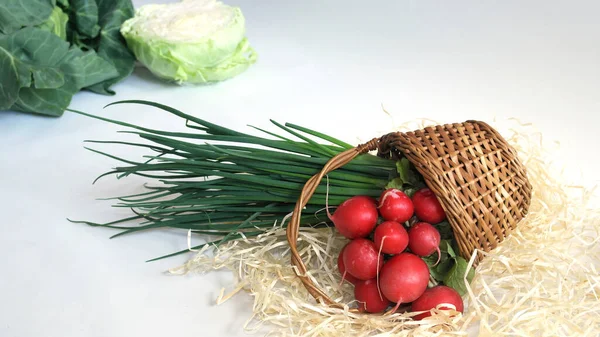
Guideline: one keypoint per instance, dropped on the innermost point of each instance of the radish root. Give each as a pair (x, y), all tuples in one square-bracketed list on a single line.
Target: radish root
[(380, 248), (343, 278), (439, 254)]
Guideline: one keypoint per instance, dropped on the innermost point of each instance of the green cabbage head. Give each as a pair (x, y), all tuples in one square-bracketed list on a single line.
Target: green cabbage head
[(193, 41)]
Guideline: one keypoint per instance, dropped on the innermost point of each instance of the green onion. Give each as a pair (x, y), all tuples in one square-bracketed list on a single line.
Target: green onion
[(224, 183)]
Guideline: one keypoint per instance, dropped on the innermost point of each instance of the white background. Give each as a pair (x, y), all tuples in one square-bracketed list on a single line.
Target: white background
[(329, 65)]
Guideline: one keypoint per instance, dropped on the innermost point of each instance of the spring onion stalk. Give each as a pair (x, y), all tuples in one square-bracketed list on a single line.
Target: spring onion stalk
[(227, 184)]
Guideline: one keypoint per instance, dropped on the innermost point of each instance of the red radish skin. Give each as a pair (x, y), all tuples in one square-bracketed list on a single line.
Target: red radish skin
[(394, 205), (424, 239), (356, 217), (403, 278), (435, 296), (362, 259), (368, 297), (428, 207), (342, 268), (391, 237)]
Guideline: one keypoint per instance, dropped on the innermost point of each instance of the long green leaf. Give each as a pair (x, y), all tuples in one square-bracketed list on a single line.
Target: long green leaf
[(218, 181)]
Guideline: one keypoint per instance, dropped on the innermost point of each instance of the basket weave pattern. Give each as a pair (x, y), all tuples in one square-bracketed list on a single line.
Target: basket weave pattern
[(474, 172)]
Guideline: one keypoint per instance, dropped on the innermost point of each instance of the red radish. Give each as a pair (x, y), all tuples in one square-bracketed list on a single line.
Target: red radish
[(435, 296), (391, 237), (356, 217), (428, 207), (342, 268), (424, 239), (362, 259), (394, 205), (403, 278), (368, 297)]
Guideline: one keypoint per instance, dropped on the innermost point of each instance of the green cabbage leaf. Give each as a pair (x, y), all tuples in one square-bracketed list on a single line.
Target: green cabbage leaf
[(52, 49)]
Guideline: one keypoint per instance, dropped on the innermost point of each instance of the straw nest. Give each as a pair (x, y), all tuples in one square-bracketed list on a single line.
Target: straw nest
[(541, 281)]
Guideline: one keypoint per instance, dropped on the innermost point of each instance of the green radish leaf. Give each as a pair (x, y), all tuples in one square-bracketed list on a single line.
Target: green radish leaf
[(410, 191), (451, 268), (446, 247), (403, 167), (442, 269), (409, 174), (445, 230), (455, 278), (406, 178), (439, 271), (395, 183), (454, 245)]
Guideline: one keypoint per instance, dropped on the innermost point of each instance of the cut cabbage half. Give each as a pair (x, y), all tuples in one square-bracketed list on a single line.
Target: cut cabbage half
[(193, 41)]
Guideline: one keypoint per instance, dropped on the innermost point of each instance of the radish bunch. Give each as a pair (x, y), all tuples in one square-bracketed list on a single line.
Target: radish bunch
[(389, 238)]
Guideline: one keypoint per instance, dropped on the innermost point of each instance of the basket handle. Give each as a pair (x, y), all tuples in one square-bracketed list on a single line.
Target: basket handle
[(307, 191)]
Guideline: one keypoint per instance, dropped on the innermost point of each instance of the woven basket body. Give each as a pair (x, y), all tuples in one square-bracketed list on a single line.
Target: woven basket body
[(474, 172)]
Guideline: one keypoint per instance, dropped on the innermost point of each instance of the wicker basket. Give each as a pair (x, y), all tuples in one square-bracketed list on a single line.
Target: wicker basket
[(476, 174)]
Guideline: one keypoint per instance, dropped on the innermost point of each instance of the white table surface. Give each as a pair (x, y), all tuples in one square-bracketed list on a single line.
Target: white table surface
[(323, 64)]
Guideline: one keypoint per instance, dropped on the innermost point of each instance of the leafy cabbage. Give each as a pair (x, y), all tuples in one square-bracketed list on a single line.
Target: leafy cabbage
[(193, 41), (51, 49)]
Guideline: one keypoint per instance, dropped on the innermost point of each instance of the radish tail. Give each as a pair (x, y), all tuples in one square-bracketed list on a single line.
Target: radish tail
[(380, 248), (439, 256), (343, 278), (396, 307), (321, 210), (432, 282)]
